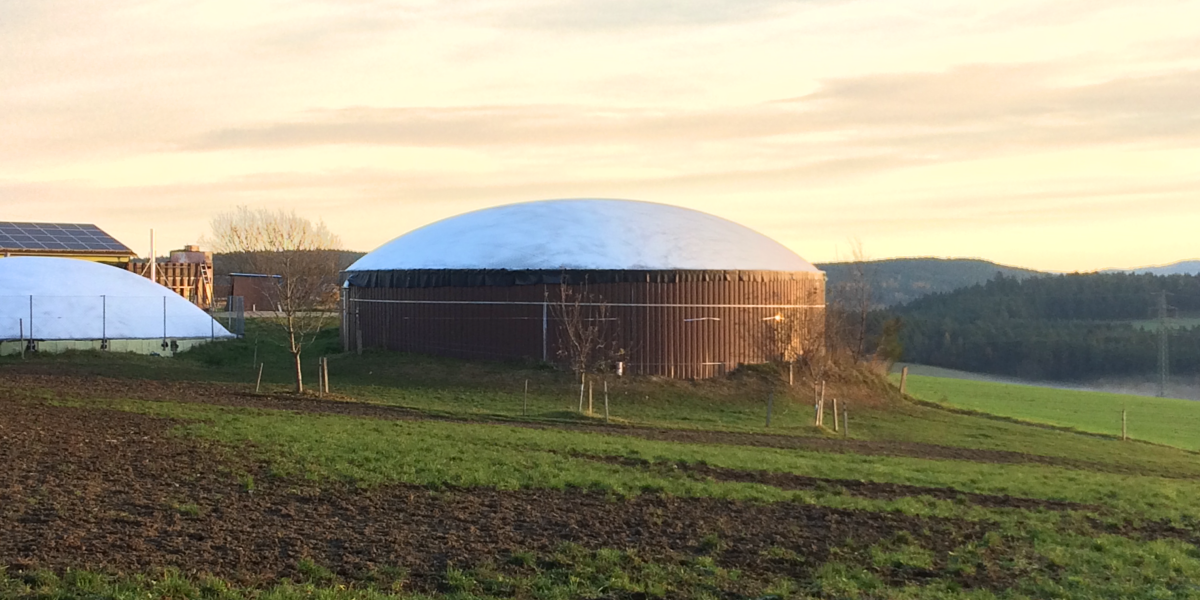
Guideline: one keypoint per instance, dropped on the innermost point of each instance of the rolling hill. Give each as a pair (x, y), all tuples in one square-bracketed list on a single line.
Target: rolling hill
[(901, 280), (1183, 267)]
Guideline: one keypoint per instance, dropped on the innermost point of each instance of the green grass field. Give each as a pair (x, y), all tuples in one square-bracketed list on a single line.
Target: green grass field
[(1129, 534), (1159, 420)]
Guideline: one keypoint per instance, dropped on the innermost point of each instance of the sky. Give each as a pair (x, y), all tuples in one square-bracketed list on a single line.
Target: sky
[(1059, 135)]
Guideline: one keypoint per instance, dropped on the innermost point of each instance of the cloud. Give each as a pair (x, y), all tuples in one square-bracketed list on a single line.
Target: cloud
[(962, 113), (605, 15)]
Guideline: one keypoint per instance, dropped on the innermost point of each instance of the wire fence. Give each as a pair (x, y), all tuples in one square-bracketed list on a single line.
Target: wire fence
[(103, 317)]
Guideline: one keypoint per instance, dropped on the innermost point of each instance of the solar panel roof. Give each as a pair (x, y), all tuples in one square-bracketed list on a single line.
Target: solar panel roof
[(58, 237)]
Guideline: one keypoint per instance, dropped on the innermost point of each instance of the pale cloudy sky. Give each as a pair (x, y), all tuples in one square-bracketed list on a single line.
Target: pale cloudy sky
[(1055, 134)]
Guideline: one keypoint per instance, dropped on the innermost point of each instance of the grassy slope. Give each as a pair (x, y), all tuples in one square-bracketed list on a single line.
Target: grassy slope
[(1158, 420), (1086, 564), (495, 391)]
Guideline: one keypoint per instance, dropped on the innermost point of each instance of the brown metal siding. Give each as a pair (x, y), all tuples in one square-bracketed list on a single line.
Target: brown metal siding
[(669, 331)]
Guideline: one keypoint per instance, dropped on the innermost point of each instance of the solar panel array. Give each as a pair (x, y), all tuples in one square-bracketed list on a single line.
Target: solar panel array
[(61, 237)]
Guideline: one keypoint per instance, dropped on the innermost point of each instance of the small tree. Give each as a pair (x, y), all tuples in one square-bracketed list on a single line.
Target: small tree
[(304, 257), (588, 340), (850, 306)]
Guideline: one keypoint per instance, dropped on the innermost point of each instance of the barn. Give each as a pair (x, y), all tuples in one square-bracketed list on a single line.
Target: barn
[(65, 240), (55, 304), (651, 289)]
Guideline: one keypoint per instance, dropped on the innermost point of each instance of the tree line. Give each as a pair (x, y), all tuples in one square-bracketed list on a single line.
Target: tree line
[(1062, 327)]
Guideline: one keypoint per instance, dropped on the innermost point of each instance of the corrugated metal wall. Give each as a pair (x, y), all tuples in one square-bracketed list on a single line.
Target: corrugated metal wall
[(681, 330)]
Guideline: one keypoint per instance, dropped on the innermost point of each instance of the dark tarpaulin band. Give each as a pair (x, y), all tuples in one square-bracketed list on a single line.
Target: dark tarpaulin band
[(428, 278)]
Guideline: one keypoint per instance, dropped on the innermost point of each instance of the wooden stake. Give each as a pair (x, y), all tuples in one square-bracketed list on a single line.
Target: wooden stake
[(258, 383), (605, 400), (320, 380), (525, 406), (818, 419), (1124, 435), (903, 379), (590, 411), (846, 421), (835, 416), (325, 371), (770, 404), (582, 382), (791, 374)]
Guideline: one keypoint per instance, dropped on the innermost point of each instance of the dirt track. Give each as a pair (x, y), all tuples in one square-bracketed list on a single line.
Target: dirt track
[(94, 488)]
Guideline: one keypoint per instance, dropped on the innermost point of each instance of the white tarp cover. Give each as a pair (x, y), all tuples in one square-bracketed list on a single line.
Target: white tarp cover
[(584, 234), (79, 300)]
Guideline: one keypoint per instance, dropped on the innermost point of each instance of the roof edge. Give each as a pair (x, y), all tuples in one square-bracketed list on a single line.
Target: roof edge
[(425, 278)]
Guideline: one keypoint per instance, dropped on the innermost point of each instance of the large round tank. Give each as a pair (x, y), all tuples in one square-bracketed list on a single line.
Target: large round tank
[(667, 290)]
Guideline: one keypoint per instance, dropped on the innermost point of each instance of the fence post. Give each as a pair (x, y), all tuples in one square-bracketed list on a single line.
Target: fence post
[(1124, 435), (903, 379), (846, 421), (525, 405), (835, 416), (358, 330), (21, 324), (164, 344)]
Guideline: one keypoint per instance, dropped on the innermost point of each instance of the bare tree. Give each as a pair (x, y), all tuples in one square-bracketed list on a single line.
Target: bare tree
[(301, 254), (860, 296), (850, 305), (587, 333), (588, 341)]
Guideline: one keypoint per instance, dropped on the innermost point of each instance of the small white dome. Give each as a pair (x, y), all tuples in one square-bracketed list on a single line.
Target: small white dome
[(590, 234), (79, 300)]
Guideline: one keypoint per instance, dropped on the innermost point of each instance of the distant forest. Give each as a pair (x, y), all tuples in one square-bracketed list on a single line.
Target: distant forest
[(1055, 327), (901, 280)]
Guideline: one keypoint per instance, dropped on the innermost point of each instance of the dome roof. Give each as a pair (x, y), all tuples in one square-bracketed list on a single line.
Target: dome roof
[(67, 303), (585, 234)]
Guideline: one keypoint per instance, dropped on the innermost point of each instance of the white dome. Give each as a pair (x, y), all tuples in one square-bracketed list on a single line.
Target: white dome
[(584, 234), (79, 300)]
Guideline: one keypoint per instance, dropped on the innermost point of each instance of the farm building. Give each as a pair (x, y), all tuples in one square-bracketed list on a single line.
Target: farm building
[(55, 304), (187, 272), (649, 288), (67, 240), (257, 291)]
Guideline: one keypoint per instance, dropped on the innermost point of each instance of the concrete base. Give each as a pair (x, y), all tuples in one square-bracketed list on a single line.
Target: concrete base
[(152, 346)]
